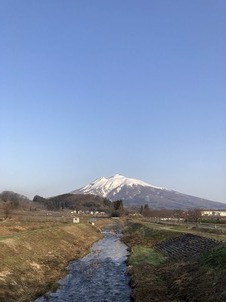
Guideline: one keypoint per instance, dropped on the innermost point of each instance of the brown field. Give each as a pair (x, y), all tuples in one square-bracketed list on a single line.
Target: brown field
[(34, 254), (164, 264)]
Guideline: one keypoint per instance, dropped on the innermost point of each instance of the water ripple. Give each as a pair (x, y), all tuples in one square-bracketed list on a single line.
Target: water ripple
[(98, 277)]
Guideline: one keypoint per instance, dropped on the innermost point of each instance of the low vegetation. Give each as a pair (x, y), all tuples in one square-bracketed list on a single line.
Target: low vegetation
[(34, 255), (215, 258), (145, 255), (174, 276), (37, 244), (137, 233)]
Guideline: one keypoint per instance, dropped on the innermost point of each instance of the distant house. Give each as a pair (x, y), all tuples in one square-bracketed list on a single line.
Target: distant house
[(213, 213), (75, 220), (172, 219)]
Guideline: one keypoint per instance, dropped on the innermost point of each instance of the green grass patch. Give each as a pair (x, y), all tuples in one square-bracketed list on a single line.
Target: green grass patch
[(141, 255), (145, 235), (215, 258)]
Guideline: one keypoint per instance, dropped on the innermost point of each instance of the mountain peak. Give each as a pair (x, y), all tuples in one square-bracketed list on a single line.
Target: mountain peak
[(108, 187), (117, 175), (137, 192)]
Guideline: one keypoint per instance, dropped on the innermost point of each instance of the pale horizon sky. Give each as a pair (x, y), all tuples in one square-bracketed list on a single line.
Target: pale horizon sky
[(95, 88)]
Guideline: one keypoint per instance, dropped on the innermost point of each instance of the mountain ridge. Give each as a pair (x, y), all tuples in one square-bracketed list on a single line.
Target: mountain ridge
[(104, 185), (135, 192)]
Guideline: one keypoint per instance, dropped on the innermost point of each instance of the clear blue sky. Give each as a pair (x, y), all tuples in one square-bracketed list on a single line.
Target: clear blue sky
[(94, 88)]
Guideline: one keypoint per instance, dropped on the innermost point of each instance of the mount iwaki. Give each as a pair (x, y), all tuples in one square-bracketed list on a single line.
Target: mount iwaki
[(135, 192)]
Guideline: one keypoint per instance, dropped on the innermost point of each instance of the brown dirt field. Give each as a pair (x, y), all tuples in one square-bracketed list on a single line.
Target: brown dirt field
[(34, 257)]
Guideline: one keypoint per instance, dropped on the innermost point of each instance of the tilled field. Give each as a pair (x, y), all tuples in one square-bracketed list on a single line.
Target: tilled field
[(186, 246)]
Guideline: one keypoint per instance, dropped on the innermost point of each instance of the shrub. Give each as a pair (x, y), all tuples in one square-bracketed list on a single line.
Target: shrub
[(215, 258)]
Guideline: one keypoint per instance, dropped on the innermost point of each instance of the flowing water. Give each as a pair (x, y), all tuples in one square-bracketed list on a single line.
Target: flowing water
[(98, 277)]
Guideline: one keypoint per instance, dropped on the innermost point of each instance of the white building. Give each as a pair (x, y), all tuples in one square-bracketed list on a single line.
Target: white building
[(213, 213)]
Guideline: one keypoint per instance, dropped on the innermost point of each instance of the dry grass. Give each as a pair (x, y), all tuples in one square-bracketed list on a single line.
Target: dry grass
[(34, 255)]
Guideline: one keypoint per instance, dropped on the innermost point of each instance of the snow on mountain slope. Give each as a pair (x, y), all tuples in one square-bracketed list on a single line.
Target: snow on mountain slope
[(112, 185), (135, 192)]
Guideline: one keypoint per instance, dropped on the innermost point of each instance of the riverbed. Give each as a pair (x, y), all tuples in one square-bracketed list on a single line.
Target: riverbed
[(98, 277)]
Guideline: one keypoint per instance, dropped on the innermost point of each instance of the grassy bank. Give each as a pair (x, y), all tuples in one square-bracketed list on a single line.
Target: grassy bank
[(143, 263), (155, 277), (34, 257)]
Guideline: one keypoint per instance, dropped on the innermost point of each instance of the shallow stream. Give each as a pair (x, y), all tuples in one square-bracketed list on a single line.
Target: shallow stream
[(98, 277)]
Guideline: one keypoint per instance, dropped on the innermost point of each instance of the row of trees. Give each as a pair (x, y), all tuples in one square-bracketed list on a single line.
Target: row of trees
[(82, 202), (11, 201), (193, 215)]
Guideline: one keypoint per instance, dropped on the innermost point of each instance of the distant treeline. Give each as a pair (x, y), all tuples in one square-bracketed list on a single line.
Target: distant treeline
[(76, 202), (10, 201)]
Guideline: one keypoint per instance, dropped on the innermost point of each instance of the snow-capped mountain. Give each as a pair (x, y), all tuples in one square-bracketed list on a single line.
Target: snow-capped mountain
[(112, 186), (136, 192)]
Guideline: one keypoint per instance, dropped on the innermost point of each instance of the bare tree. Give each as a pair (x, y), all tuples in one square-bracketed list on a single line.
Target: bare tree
[(11, 201), (194, 216), (7, 209)]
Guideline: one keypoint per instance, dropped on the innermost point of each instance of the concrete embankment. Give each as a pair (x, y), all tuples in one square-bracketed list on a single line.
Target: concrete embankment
[(32, 261)]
